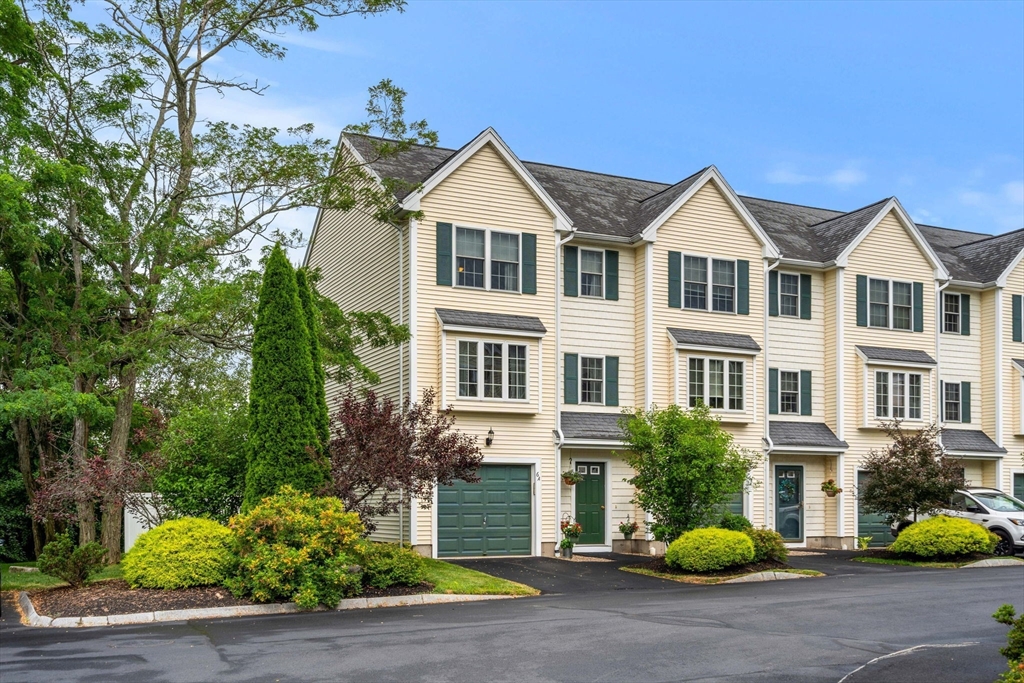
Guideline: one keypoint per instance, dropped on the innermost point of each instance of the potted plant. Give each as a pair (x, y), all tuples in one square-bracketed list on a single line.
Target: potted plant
[(830, 488), (566, 546), (571, 477), (571, 530), (628, 528)]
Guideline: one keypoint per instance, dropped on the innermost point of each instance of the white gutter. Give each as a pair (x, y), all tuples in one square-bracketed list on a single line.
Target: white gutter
[(767, 431), (999, 372), (559, 436)]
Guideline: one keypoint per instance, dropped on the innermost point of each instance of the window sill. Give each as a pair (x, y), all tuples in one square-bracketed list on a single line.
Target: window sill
[(464, 405)]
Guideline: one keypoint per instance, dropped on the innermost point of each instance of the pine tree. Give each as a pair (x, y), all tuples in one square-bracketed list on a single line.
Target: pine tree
[(322, 420), (282, 395)]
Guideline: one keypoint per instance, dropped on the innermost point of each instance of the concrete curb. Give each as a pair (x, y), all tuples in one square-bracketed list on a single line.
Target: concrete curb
[(767, 576), (995, 562), (35, 619)]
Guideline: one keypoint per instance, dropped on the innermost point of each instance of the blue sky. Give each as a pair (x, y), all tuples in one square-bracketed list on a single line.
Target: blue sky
[(827, 104)]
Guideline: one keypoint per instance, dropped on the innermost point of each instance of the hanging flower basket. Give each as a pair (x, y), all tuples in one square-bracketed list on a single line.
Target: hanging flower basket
[(571, 477), (830, 488)]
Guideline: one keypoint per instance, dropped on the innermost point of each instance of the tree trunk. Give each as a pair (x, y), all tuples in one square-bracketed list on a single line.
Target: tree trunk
[(80, 452), (113, 507), (22, 438)]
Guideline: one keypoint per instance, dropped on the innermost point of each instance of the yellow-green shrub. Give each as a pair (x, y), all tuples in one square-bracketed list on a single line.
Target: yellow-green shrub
[(768, 545), (179, 554), (298, 547), (389, 564), (708, 550), (943, 536)]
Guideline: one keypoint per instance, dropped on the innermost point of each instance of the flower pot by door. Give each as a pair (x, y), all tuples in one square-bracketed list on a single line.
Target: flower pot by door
[(567, 553), (628, 537)]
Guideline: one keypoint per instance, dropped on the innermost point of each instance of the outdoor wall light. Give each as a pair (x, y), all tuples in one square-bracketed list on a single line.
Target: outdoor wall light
[(490, 437)]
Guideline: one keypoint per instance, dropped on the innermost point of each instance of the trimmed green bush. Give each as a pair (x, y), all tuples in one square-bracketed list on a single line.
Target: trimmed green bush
[(708, 550), (298, 547), (389, 564), (943, 536), (60, 558), (180, 553), (734, 522), (768, 545)]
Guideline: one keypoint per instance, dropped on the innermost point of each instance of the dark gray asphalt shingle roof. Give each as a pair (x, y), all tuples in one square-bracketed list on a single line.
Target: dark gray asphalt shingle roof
[(724, 340), (622, 207), (812, 434), (969, 441), (883, 353), (600, 426), (1019, 362), (493, 321)]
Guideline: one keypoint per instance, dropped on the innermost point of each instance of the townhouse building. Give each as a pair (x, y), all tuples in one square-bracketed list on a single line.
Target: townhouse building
[(543, 301)]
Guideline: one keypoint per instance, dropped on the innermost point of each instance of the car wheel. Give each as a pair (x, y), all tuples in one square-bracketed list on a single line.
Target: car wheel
[(1005, 545)]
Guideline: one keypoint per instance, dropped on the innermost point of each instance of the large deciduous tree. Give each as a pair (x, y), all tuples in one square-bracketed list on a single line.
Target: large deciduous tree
[(382, 451)]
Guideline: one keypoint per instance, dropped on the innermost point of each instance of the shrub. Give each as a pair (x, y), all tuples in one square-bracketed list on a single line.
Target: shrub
[(943, 536), (62, 559), (294, 546), (179, 554), (389, 564), (768, 545), (708, 550), (1014, 651), (734, 522)]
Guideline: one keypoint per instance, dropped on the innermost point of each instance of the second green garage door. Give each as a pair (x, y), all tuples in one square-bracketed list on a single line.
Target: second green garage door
[(490, 517)]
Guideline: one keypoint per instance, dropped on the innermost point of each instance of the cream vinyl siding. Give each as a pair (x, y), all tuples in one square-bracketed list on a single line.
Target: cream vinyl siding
[(887, 252), (598, 327), (828, 322), (798, 344), (639, 322), (1013, 421), (980, 472), (620, 505), (987, 360), (708, 226), (485, 192), (961, 361)]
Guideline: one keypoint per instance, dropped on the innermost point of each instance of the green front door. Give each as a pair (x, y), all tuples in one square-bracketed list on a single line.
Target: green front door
[(590, 502), (869, 524), (789, 502), (490, 517)]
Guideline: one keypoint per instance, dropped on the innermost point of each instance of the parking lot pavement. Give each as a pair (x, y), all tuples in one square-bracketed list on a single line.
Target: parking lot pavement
[(552, 575)]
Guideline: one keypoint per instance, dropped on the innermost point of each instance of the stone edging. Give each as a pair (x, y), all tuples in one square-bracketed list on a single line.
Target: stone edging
[(35, 619), (768, 576), (995, 562)]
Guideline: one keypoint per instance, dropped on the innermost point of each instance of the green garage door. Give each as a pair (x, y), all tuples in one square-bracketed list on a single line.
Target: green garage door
[(490, 517), (869, 524)]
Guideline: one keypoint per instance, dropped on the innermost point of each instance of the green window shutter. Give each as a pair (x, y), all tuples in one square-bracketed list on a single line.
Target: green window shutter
[(918, 307), (773, 293), (1018, 317), (862, 301), (529, 263), (805, 392), (675, 279), (965, 314), (965, 402), (444, 254), (773, 391), (743, 287), (570, 275), (611, 380), (611, 275), (805, 296), (572, 362)]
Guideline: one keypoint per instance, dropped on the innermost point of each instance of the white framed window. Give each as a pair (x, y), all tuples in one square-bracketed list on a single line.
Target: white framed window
[(951, 313), (722, 297), (492, 370), (592, 272), (951, 401), (891, 304), (487, 259), (898, 395), (695, 282), (789, 392), (789, 295), (716, 382), (592, 379), (723, 285)]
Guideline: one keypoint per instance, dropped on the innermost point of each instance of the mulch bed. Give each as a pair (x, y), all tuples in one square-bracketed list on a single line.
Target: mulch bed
[(115, 597), (658, 564)]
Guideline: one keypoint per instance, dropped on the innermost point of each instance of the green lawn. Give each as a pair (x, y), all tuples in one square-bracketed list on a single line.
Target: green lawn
[(935, 564), (31, 580), (451, 578), (704, 579)]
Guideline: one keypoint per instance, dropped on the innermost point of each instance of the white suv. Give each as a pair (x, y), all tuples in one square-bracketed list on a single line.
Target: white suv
[(998, 512)]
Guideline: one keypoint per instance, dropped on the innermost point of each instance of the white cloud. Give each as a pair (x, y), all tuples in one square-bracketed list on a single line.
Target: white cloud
[(311, 42), (844, 177), (1003, 205)]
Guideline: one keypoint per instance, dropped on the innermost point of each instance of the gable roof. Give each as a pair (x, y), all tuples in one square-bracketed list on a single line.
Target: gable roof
[(622, 208)]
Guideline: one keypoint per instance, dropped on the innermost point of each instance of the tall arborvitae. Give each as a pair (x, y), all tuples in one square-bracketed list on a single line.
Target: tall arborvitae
[(282, 395), (321, 419)]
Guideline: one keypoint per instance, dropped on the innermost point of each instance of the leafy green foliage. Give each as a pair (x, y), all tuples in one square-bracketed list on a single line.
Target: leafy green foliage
[(944, 536), (390, 564), (321, 419), (294, 546), (768, 545), (709, 550), (62, 559), (283, 399), (179, 554), (734, 522), (686, 467), (1014, 651)]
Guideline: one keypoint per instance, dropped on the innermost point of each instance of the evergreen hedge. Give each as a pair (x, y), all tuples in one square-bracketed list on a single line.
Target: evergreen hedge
[(322, 420)]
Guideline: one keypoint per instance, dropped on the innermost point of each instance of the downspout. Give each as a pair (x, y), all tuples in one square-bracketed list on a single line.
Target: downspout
[(939, 322), (559, 436), (767, 431), (401, 361)]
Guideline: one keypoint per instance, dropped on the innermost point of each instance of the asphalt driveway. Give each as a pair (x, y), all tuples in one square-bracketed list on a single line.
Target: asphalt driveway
[(562, 577)]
